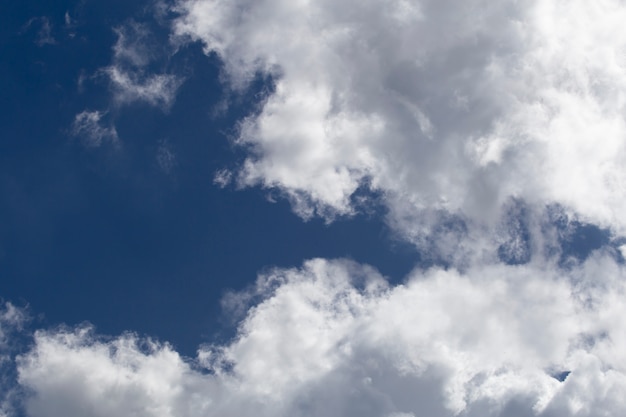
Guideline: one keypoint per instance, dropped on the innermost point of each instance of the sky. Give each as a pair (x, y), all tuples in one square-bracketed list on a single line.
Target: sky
[(393, 208)]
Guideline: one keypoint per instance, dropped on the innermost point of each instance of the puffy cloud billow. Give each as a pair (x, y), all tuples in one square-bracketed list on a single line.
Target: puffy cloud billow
[(484, 128), (443, 107), (335, 339)]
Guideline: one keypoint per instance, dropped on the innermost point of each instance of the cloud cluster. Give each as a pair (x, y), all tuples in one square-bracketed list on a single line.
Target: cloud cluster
[(132, 79), (484, 128), (446, 109), (334, 339)]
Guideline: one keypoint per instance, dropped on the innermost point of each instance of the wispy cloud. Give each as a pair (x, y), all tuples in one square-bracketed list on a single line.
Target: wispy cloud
[(89, 127), (44, 32), (222, 178), (131, 79)]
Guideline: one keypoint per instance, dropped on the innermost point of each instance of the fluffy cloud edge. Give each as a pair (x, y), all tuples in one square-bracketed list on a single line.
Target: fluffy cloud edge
[(335, 338), (497, 102)]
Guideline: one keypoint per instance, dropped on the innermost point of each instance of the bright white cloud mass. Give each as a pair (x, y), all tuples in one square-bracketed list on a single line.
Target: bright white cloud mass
[(334, 339), (438, 105), (477, 125)]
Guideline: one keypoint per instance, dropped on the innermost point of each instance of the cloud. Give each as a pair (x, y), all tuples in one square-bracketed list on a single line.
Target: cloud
[(88, 127), (44, 35), (222, 178), (12, 320), (333, 338), (130, 77), (443, 109), (134, 44), (157, 90)]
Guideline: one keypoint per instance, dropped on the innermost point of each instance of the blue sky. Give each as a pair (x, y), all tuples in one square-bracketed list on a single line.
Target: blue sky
[(105, 235), (390, 208)]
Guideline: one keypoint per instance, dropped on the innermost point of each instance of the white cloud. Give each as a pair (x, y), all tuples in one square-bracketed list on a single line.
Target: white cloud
[(334, 339), (134, 44), (131, 81), (222, 178), (75, 375), (89, 128), (157, 90), (440, 106)]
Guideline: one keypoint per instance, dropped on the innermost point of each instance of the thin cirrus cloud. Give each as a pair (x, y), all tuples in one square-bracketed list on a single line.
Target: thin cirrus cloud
[(90, 128), (130, 80), (480, 126)]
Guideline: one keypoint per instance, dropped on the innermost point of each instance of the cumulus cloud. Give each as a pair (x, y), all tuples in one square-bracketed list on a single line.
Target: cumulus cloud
[(334, 339), (89, 127), (484, 128), (446, 109), (132, 79)]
